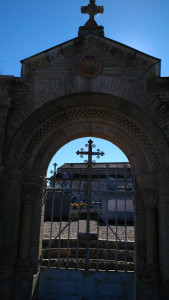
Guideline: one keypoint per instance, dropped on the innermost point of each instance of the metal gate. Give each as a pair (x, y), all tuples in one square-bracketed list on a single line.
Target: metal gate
[(88, 244)]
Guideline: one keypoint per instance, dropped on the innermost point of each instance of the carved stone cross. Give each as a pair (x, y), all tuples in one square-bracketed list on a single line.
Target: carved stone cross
[(92, 9)]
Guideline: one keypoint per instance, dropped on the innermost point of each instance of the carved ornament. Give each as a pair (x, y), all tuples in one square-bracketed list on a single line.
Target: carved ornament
[(147, 182), (28, 190), (68, 50), (150, 198)]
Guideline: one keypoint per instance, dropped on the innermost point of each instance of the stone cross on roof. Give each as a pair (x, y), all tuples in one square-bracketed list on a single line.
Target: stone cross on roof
[(92, 9), (91, 26)]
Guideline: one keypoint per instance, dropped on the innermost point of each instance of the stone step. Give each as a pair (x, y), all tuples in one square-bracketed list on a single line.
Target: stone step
[(122, 255), (63, 243), (110, 265)]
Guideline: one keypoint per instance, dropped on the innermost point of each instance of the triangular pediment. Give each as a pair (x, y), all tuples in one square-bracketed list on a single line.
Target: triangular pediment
[(107, 49)]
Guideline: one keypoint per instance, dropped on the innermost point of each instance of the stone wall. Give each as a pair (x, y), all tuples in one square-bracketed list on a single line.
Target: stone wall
[(52, 104)]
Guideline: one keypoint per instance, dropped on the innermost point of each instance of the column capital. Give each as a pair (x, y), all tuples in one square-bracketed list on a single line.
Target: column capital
[(30, 187), (32, 179), (146, 181), (28, 190), (150, 198)]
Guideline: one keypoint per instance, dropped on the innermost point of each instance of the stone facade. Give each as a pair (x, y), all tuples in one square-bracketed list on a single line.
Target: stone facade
[(52, 103)]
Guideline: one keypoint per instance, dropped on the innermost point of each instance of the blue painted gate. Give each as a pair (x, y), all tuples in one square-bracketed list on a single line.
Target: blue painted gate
[(85, 285)]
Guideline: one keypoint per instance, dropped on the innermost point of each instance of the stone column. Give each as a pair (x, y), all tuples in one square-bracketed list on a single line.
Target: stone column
[(4, 107), (28, 190), (148, 185), (152, 271), (9, 221)]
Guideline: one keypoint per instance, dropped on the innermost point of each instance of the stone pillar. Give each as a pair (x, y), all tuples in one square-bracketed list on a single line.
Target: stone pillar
[(4, 107), (152, 271), (9, 221), (24, 267), (148, 185)]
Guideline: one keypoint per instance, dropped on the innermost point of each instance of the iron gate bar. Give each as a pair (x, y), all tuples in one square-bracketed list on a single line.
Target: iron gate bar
[(51, 226), (60, 226), (97, 264), (116, 235), (98, 213), (98, 217), (75, 188), (77, 244), (125, 219), (107, 229), (49, 246), (88, 205), (107, 245), (59, 234), (70, 209), (67, 261)]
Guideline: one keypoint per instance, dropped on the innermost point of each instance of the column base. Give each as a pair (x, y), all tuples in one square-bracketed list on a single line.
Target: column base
[(152, 273)]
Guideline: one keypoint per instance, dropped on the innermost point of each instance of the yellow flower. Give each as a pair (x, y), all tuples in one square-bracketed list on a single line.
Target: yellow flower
[(75, 205)]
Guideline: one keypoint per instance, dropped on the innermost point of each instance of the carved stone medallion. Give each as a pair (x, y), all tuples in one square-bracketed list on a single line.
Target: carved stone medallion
[(89, 66)]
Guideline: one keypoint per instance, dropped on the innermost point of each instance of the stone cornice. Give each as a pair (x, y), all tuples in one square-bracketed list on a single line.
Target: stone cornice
[(128, 55)]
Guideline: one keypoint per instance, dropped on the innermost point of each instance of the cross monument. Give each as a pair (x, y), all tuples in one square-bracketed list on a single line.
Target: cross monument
[(91, 26), (92, 9), (90, 153)]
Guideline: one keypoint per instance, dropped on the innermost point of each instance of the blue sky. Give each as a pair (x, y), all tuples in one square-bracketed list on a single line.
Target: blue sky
[(28, 27), (31, 26), (68, 152)]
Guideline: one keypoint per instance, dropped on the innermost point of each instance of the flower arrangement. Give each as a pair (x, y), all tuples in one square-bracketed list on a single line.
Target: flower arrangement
[(75, 205), (83, 204), (74, 216)]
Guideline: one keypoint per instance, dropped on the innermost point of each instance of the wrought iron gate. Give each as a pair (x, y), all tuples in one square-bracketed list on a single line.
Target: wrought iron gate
[(88, 226)]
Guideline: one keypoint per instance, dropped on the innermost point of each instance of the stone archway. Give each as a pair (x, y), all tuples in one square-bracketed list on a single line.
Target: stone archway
[(63, 120), (83, 108)]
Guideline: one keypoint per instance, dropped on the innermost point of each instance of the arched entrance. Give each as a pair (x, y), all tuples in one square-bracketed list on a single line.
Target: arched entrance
[(79, 115)]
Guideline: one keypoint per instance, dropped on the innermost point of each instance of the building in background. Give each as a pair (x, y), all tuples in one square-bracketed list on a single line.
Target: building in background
[(111, 189)]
